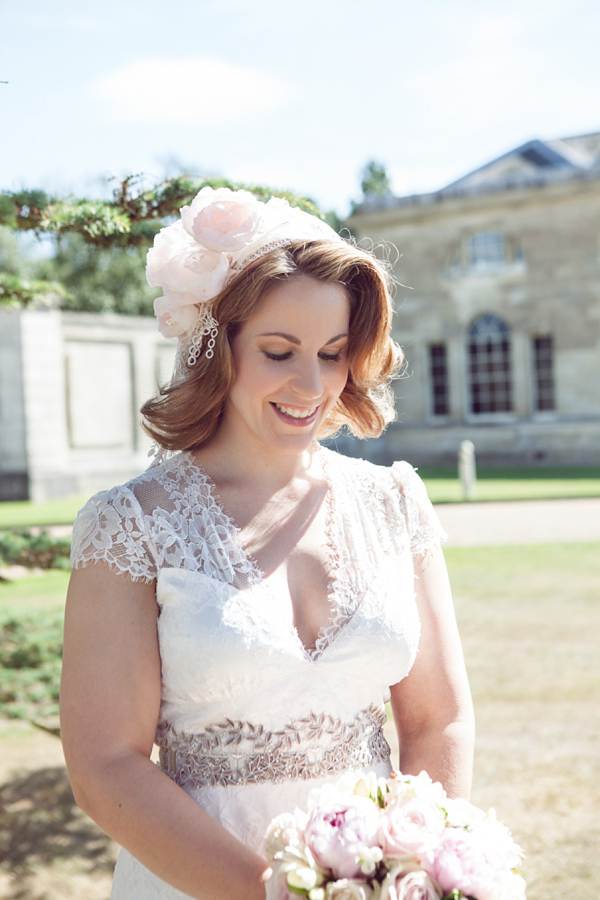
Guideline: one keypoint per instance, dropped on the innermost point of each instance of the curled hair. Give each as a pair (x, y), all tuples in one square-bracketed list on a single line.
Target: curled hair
[(186, 414)]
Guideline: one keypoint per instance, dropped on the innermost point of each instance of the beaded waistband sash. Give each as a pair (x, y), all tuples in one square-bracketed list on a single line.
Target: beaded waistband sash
[(234, 752)]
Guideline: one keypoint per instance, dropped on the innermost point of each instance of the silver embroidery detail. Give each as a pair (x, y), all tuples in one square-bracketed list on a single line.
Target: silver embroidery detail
[(234, 752)]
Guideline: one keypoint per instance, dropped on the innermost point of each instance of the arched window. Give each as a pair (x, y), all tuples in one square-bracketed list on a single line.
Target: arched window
[(485, 251), (490, 385), (488, 252)]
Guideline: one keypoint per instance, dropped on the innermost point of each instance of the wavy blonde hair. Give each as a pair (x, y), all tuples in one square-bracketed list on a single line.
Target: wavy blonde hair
[(186, 414)]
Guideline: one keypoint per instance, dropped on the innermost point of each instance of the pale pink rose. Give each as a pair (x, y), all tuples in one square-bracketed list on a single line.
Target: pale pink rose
[(223, 220), (351, 889), (400, 884), (337, 833), (465, 861), (410, 826)]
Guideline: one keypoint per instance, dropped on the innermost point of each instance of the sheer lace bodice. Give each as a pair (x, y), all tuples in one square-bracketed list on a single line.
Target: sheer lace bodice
[(250, 718)]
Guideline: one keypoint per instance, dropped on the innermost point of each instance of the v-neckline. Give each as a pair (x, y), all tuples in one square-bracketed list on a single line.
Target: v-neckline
[(336, 559)]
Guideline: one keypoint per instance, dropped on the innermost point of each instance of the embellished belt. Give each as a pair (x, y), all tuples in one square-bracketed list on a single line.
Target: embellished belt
[(234, 752)]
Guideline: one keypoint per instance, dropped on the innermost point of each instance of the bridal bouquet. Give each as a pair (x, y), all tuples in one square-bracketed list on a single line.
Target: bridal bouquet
[(401, 838)]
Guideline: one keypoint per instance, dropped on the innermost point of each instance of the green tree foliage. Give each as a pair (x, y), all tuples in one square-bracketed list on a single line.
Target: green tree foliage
[(375, 181), (130, 218), (99, 245), (99, 279)]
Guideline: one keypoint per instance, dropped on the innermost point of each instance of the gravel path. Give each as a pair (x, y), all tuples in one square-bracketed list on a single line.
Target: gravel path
[(521, 522), (507, 522)]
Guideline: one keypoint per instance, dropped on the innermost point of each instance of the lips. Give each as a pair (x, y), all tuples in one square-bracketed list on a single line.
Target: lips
[(296, 415)]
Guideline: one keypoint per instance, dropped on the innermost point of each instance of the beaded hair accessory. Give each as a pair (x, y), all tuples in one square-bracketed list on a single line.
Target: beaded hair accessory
[(216, 237)]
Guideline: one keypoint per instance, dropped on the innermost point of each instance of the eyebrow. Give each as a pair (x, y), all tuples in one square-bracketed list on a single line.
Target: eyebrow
[(294, 340)]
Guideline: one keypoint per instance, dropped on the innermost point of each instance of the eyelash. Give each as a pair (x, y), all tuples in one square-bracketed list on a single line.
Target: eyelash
[(283, 356)]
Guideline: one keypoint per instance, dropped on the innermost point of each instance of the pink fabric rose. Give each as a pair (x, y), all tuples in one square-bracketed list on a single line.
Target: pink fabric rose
[(223, 220), (176, 263), (337, 832), (410, 826), (400, 884), (464, 860)]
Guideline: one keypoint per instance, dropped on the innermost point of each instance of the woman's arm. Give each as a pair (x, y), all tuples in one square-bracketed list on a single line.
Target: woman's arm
[(432, 706), (110, 695)]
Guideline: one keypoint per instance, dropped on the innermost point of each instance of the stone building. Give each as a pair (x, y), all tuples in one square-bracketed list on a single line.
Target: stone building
[(71, 385), (499, 309)]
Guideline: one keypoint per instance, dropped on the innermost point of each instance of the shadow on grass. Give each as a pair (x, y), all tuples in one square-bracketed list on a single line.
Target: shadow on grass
[(40, 825)]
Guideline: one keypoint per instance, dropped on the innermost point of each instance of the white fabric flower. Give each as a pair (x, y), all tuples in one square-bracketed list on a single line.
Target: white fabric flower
[(217, 235), (223, 220), (177, 263)]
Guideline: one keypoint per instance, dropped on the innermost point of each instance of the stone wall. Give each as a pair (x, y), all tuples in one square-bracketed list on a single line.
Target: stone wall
[(548, 286), (71, 385)]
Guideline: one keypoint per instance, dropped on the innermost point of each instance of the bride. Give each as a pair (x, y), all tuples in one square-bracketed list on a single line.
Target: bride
[(252, 600)]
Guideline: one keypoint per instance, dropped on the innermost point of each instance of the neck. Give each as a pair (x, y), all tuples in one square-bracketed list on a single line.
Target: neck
[(234, 464)]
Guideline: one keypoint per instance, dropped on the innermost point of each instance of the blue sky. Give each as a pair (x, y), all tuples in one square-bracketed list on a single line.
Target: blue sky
[(296, 95)]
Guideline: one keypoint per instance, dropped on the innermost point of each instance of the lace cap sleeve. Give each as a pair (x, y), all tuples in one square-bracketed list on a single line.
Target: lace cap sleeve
[(424, 528), (111, 528)]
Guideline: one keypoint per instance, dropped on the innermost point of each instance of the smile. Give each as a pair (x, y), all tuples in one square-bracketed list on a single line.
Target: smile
[(295, 414)]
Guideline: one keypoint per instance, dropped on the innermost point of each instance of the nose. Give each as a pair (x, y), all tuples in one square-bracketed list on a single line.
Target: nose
[(307, 380)]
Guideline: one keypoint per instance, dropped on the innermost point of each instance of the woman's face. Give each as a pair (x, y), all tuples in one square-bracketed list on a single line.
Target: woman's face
[(290, 366)]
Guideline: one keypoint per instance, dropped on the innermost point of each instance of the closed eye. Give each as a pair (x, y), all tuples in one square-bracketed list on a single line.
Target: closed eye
[(278, 357)]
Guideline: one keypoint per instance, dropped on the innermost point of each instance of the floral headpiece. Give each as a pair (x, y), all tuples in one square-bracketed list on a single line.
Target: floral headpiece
[(217, 236)]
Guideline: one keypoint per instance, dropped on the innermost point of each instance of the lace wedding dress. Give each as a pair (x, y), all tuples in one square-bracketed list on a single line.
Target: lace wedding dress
[(250, 719)]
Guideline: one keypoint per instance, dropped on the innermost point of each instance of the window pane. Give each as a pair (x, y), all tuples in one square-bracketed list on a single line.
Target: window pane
[(489, 365), (438, 372), (486, 250), (543, 361)]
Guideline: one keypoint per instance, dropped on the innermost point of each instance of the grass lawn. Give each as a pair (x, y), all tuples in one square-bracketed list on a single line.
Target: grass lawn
[(514, 484), (23, 513), (443, 486), (529, 618)]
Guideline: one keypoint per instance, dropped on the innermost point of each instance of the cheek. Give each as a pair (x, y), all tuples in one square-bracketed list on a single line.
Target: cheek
[(341, 377)]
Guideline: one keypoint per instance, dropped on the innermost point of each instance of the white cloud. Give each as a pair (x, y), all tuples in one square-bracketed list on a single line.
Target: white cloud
[(188, 91)]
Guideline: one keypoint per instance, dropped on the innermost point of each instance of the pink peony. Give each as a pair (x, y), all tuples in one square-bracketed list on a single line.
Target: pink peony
[(337, 834), (464, 860), (410, 826)]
